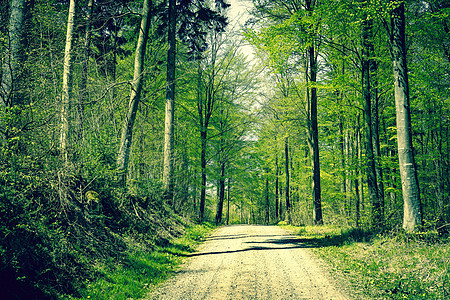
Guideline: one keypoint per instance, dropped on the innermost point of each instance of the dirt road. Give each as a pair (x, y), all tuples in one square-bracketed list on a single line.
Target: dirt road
[(250, 262)]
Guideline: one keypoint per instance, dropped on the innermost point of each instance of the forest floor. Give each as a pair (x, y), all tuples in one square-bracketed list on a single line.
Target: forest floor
[(252, 262)]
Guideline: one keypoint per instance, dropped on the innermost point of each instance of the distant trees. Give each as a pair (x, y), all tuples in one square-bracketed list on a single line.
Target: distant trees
[(290, 36), (358, 46)]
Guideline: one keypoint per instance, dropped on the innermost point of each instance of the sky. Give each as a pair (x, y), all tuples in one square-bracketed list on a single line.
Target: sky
[(239, 10), (238, 15)]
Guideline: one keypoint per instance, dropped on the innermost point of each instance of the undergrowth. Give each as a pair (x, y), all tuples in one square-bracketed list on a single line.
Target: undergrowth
[(98, 240), (384, 266), (142, 268)]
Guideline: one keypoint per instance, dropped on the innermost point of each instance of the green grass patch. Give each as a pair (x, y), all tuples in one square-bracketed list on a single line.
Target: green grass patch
[(384, 266), (142, 268)]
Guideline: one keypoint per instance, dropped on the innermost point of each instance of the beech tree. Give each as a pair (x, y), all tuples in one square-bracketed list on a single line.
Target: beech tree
[(135, 94), (168, 176), (412, 209), (369, 69)]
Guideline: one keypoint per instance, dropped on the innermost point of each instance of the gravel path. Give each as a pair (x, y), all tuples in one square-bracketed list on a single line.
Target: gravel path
[(250, 262)]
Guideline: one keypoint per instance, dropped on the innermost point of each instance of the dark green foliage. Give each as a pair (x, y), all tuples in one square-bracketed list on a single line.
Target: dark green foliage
[(47, 245)]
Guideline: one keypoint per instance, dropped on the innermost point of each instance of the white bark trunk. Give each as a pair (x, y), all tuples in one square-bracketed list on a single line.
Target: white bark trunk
[(412, 213), (170, 106), (67, 85), (136, 86)]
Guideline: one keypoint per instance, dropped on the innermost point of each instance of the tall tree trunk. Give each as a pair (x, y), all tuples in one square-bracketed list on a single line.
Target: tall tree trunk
[(317, 198), (66, 96), (281, 202), (376, 135), (221, 192), (287, 191), (203, 141), (314, 128), (228, 200), (342, 148), (412, 210), (277, 173), (168, 175), (367, 67), (84, 71), (203, 125), (136, 87), (14, 57), (357, 176), (266, 193)]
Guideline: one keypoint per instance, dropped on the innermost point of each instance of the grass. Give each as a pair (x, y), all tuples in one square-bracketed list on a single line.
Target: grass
[(142, 268), (384, 266)]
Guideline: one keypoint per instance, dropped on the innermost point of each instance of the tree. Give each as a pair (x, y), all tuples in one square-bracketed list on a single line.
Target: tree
[(84, 70), (196, 20), (313, 128), (287, 192), (412, 210), (135, 94), (368, 72), (12, 63), (67, 85), (170, 100)]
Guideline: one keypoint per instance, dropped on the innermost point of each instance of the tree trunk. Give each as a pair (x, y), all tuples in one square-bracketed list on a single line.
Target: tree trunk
[(228, 200), (203, 137), (277, 173), (266, 193), (66, 96), (281, 202), (313, 125), (412, 210), (84, 71), (287, 192), (367, 64), (357, 176), (12, 63), (377, 143), (221, 193), (343, 155), (136, 87), (317, 198), (168, 175)]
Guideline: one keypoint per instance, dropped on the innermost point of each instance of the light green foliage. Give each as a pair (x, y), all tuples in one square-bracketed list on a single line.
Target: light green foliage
[(383, 266), (392, 268)]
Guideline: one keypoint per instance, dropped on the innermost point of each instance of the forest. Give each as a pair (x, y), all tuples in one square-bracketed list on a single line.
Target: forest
[(124, 122)]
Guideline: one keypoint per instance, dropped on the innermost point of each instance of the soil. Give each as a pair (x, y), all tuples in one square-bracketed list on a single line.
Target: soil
[(251, 262)]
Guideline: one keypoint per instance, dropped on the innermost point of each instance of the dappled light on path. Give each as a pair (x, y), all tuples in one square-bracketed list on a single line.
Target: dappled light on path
[(251, 262)]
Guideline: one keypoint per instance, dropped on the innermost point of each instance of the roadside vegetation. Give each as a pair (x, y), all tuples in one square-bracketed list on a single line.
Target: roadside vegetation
[(390, 265), (142, 267)]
